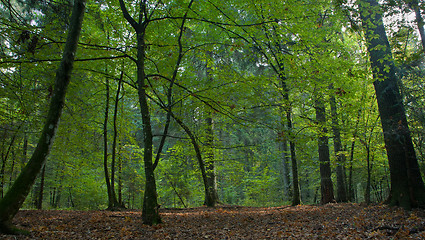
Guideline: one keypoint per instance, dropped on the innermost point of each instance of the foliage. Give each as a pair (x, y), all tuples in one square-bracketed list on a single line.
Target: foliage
[(232, 54)]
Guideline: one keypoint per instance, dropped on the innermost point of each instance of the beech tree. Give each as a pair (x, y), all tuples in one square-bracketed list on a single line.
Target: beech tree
[(407, 187)]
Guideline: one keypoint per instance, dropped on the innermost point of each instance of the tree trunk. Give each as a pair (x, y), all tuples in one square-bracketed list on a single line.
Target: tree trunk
[(350, 186), (209, 163), (16, 195), (326, 186), (285, 169), (296, 199), (116, 203), (105, 148), (39, 204), (209, 143), (414, 4), (407, 187), (341, 193), (367, 190), (150, 211)]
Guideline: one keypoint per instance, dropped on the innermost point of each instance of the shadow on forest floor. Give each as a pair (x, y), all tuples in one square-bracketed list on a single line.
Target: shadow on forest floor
[(331, 221)]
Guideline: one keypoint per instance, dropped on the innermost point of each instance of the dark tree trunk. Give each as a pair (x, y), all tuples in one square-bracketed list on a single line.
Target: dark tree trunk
[(116, 204), (5, 156), (105, 148), (407, 187), (39, 204), (210, 198), (296, 198), (16, 195), (326, 186), (367, 190), (341, 193), (350, 186), (150, 209), (285, 169)]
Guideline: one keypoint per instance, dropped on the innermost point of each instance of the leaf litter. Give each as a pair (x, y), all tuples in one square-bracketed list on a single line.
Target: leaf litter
[(330, 221)]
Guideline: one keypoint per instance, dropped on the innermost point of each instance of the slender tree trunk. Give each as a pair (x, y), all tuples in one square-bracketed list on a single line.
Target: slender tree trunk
[(350, 186), (41, 190), (367, 191), (4, 160), (414, 4), (209, 152), (116, 203), (326, 186), (285, 169), (341, 193), (210, 163), (16, 195), (209, 194), (105, 148), (296, 198), (407, 186), (120, 201)]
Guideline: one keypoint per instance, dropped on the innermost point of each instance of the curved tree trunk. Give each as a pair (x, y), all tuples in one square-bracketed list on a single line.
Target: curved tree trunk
[(407, 186), (16, 195)]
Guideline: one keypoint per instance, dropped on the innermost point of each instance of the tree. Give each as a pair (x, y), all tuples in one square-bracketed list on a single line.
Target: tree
[(326, 186), (16, 195), (341, 195), (407, 187)]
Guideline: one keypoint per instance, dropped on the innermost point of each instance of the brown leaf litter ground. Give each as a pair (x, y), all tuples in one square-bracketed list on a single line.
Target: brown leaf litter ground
[(331, 221)]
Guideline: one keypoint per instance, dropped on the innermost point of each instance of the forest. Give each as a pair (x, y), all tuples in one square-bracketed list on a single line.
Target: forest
[(161, 106)]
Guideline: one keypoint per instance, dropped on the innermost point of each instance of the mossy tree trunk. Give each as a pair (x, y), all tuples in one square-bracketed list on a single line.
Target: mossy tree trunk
[(16, 195)]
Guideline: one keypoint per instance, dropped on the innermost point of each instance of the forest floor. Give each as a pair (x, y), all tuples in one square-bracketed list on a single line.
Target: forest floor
[(331, 221)]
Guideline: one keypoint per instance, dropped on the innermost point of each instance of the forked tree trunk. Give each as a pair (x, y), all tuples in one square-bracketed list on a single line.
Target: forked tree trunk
[(16, 195), (150, 209), (407, 186)]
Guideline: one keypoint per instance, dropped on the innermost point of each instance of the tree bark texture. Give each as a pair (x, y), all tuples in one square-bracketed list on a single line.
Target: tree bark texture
[(16, 195), (341, 192), (150, 210), (326, 186), (407, 187)]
